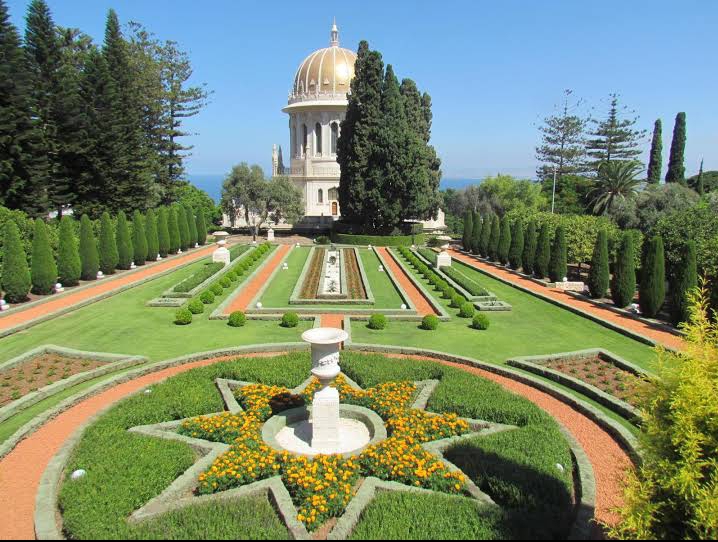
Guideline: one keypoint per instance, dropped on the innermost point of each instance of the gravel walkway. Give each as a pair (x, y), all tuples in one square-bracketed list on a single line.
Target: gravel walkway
[(422, 305)]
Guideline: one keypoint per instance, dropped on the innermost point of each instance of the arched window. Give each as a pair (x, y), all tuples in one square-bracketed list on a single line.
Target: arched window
[(318, 139), (335, 136), (304, 139), (320, 196)]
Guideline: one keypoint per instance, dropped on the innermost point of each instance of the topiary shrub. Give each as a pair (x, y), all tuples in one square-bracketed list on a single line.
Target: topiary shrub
[(468, 239), (652, 291), (153, 241), (15, 273), (377, 321), (225, 282), (683, 282), (543, 252), (139, 239), (237, 319), (476, 233), (69, 266), (599, 275), (183, 317), (44, 269), (290, 319), (192, 225), (201, 228), (494, 238), (529, 253), (623, 285), (216, 288), (182, 226), (467, 310), (88, 250), (163, 232), (480, 321), (504, 240), (175, 240), (448, 292), (232, 276), (207, 297), (558, 267), (124, 244), (457, 300), (517, 245), (108, 246), (196, 306), (430, 322)]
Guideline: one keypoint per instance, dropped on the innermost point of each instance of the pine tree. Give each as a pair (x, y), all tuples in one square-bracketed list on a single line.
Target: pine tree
[(69, 266), (468, 239), (88, 250), (192, 223), (543, 252), (614, 138), (108, 247), (486, 235), (676, 163), (504, 240), (529, 254), (153, 241), (15, 273), (182, 226), (623, 285), (494, 238), (44, 269), (476, 233), (125, 251), (652, 291), (558, 267), (174, 231), (201, 229), (656, 159), (599, 275), (517, 245), (139, 239), (683, 282), (163, 232)]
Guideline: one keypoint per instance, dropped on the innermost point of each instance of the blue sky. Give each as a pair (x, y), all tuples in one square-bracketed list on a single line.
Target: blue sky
[(493, 69)]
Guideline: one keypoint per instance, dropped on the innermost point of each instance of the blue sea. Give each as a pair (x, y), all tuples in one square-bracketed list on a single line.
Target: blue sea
[(212, 183)]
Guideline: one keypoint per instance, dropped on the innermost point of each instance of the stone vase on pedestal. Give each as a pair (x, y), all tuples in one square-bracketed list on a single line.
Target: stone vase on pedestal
[(221, 254)]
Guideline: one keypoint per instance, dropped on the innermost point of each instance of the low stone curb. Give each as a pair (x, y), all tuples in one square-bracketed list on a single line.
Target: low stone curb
[(270, 278), (404, 294), (455, 285)]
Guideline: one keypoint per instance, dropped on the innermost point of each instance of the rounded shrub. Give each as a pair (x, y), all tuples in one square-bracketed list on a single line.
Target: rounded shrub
[(232, 276), (89, 255), (196, 306), (430, 322), (290, 319), (237, 319), (448, 292), (480, 321), (377, 321), (183, 317), (207, 297), (467, 310), (225, 282), (16, 275), (44, 270), (216, 288), (457, 300)]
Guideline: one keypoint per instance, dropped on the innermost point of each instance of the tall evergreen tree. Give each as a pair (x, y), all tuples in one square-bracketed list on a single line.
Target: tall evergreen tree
[(684, 280), (504, 240), (558, 267), (125, 250), (656, 159), (182, 226), (468, 238), (700, 185), (15, 280), (543, 252), (201, 228), (108, 246), (163, 232), (676, 163), (153, 241), (44, 269), (494, 238), (88, 250), (174, 231), (529, 254), (614, 138), (517, 245), (486, 235), (139, 239), (192, 223), (476, 233), (599, 275), (69, 266), (623, 285), (652, 291)]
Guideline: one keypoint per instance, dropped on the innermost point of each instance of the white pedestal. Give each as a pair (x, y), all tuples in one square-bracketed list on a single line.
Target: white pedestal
[(222, 254), (270, 234), (443, 260)]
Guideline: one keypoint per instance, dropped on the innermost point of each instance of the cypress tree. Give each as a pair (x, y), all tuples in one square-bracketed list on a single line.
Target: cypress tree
[(529, 255), (468, 240), (543, 252), (652, 291), (599, 275), (558, 267), (623, 285), (684, 280), (15, 273), (139, 239), (201, 229), (676, 166), (656, 158), (192, 224), (476, 234), (494, 238), (123, 241), (44, 269), (517, 245), (700, 185), (486, 235), (174, 231), (504, 240), (153, 241), (183, 227), (88, 250), (69, 266), (108, 247), (163, 232)]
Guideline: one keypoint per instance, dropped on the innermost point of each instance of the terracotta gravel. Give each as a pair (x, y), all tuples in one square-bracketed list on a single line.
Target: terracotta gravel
[(249, 290), (422, 305), (652, 332)]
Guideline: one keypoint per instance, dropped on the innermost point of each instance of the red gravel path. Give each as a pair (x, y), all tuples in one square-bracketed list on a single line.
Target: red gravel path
[(417, 298), (659, 336), (333, 320), (242, 301)]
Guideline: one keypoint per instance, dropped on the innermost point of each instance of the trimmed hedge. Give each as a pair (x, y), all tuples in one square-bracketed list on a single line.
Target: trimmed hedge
[(683, 281), (15, 273), (201, 229), (139, 239), (467, 310), (599, 276), (108, 246), (207, 297), (163, 232), (69, 266), (195, 306), (379, 240), (153, 242), (474, 288), (480, 321), (623, 285), (199, 277), (237, 319), (652, 291), (44, 270), (377, 321), (124, 244), (290, 319), (183, 317), (430, 322), (559, 267), (89, 255)]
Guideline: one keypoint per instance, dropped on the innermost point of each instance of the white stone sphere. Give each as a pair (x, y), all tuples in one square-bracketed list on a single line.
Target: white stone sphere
[(259, 304), (100, 274), (381, 268), (565, 279), (403, 306), (79, 473)]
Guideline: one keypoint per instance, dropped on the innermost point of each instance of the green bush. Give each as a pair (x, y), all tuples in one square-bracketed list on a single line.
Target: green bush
[(232, 276), (207, 297), (108, 247), (139, 239), (216, 289), (201, 229), (476, 233), (683, 282), (559, 267), (467, 310), (599, 276), (153, 241), (15, 273), (430, 322), (480, 321), (517, 245), (290, 319), (163, 232), (485, 241), (429, 254), (494, 238), (543, 252), (195, 306), (448, 292), (468, 239), (323, 240), (44, 270), (652, 291), (192, 225), (174, 231), (237, 319), (225, 282), (182, 226), (377, 321), (465, 282), (199, 277), (124, 245), (504, 241), (89, 255), (623, 285), (529, 254), (457, 301), (378, 240), (183, 317), (69, 266)]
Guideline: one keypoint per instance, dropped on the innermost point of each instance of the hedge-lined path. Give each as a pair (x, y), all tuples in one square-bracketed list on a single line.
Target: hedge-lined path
[(24, 317), (252, 288), (659, 336), (22, 469), (422, 304)]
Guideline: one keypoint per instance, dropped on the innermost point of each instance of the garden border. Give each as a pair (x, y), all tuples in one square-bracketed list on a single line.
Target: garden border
[(455, 285)]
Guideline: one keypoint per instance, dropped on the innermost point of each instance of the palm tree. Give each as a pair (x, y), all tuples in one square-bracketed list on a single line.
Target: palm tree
[(616, 180)]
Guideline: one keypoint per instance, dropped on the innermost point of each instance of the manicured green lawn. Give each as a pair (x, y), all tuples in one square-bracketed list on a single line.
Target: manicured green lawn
[(533, 327)]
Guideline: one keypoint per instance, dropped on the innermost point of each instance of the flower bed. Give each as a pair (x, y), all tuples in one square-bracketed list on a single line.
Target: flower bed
[(199, 277), (470, 285), (354, 282), (313, 276)]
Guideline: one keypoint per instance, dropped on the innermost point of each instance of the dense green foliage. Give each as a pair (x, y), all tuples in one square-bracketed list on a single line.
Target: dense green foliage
[(125, 250), (182, 226), (655, 162), (430, 322), (504, 240), (494, 238), (377, 321), (163, 232), (195, 306), (485, 241), (478, 225), (108, 246), (599, 275), (467, 283), (378, 240), (237, 319), (623, 284), (192, 225), (517, 245), (201, 229), (683, 281), (558, 267), (198, 277), (467, 310), (153, 241), (676, 161), (183, 317), (543, 252), (175, 239), (139, 239), (69, 266), (529, 253), (89, 255), (468, 237), (480, 321), (15, 273), (614, 139), (44, 270), (290, 319), (652, 290)]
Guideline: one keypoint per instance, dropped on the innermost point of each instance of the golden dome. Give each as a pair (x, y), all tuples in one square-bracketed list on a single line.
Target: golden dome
[(325, 72)]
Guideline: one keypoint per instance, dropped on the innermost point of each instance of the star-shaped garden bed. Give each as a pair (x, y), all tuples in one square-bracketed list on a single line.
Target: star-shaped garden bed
[(307, 492)]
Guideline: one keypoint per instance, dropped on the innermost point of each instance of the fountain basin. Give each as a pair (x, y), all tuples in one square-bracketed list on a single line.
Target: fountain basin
[(291, 431)]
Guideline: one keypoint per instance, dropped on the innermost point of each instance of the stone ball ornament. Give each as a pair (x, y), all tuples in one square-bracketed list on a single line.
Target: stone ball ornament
[(78, 474)]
